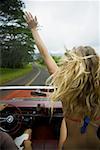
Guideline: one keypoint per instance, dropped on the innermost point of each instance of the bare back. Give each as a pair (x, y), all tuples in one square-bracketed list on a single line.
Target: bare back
[(78, 141)]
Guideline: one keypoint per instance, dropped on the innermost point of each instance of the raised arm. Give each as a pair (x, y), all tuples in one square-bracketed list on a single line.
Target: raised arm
[(32, 23)]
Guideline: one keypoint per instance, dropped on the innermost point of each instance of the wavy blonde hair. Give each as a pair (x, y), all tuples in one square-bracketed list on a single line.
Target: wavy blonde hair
[(77, 82)]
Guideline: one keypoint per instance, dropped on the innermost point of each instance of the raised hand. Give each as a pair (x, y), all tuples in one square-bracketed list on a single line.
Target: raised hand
[(32, 22)]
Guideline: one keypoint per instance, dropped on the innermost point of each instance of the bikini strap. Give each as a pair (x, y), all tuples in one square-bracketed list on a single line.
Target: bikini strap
[(86, 122)]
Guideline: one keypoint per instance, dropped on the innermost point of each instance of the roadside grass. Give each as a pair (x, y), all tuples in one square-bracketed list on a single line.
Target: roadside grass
[(8, 74)]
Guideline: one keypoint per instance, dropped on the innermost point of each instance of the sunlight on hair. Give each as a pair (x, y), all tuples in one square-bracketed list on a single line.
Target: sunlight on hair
[(77, 82)]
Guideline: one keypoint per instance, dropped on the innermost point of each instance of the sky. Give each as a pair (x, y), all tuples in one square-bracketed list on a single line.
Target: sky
[(67, 24)]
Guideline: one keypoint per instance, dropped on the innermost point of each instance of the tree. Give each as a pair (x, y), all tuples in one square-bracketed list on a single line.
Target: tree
[(16, 42)]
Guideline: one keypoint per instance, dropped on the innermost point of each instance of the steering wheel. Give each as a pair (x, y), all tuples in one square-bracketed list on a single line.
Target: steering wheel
[(10, 119)]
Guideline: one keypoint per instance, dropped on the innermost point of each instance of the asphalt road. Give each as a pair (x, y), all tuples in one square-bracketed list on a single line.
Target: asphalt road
[(37, 76), (24, 79), (41, 78)]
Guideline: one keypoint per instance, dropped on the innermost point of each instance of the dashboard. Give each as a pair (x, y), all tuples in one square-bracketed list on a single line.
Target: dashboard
[(30, 113), (30, 107)]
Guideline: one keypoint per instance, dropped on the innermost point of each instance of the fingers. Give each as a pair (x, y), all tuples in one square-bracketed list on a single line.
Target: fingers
[(32, 22), (31, 16), (27, 17), (36, 19)]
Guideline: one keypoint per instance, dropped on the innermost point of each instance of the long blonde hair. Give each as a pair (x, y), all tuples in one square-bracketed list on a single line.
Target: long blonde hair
[(77, 82)]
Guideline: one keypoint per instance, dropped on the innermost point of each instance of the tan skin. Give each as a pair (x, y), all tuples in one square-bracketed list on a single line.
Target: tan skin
[(3, 106), (49, 61), (32, 22)]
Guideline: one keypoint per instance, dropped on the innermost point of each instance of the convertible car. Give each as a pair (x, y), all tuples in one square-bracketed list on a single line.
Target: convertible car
[(31, 107)]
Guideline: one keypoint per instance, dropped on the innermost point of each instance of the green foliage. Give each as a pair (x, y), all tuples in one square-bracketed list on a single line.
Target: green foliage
[(16, 42), (7, 74), (40, 60), (56, 58)]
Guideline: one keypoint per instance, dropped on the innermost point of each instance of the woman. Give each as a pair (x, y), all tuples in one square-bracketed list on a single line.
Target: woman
[(78, 87)]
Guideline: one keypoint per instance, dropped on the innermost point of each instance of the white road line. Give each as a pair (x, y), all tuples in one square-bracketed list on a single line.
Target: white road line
[(33, 78)]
